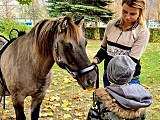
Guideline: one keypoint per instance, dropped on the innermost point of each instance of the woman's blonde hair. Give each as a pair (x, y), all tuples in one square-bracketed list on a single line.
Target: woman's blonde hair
[(141, 4)]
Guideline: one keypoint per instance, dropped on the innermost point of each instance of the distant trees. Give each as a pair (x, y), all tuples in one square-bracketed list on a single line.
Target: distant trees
[(6, 10), (94, 8), (91, 9), (25, 2), (153, 10), (34, 11)]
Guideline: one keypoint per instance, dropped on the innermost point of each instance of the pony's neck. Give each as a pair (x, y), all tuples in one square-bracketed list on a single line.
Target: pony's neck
[(45, 66)]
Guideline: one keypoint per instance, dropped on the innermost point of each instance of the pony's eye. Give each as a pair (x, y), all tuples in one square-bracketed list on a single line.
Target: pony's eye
[(68, 46)]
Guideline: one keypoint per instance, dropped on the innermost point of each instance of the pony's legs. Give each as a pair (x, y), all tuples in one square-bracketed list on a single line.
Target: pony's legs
[(18, 103), (35, 106)]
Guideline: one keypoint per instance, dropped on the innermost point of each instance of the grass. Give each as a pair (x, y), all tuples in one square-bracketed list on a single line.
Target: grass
[(65, 100)]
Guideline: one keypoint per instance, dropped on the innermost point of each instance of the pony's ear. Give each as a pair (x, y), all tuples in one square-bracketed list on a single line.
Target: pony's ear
[(80, 22), (62, 26)]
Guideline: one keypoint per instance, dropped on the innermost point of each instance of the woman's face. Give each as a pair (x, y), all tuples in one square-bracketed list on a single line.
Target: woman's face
[(129, 14)]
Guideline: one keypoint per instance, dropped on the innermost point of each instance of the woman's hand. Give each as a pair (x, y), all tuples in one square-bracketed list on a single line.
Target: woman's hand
[(95, 61)]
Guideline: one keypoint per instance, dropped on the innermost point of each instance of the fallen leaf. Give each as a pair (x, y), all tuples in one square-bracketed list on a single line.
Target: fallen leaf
[(57, 98), (65, 116), (57, 104), (157, 97), (65, 103), (50, 114), (67, 108), (66, 80), (63, 88), (156, 107)]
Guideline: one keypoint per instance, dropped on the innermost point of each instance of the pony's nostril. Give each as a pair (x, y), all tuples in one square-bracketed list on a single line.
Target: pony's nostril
[(89, 81)]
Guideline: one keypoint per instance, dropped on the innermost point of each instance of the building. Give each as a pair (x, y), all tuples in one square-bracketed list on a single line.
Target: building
[(153, 24)]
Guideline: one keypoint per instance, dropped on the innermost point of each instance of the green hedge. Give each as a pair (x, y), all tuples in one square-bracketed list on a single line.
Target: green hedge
[(98, 32), (154, 35), (92, 33)]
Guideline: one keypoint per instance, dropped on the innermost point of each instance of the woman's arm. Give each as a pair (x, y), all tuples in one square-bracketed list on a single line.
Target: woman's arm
[(140, 44)]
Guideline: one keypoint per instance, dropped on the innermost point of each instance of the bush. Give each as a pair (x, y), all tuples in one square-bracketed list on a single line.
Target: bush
[(92, 33), (101, 32), (154, 35), (97, 33), (6, 25)]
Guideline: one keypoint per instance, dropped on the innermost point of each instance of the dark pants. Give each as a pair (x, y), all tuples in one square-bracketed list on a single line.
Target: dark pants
[(107, 83)]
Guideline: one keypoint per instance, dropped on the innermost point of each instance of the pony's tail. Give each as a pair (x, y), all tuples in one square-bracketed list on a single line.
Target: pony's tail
[(20, 33)]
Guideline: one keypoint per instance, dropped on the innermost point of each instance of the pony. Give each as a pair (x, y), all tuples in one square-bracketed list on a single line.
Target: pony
[(26, 64)]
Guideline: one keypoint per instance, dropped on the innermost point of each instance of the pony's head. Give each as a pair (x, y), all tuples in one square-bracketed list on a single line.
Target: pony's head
[(63, 40)]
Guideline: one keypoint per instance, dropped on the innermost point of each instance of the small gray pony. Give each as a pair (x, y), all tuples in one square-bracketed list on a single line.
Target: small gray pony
[(27, 62)]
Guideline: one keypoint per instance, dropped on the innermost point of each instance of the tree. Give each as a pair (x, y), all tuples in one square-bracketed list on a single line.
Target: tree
[(25, 2), (153, 11), (90, 9), (34, 11), (116, 6), (8, 10)]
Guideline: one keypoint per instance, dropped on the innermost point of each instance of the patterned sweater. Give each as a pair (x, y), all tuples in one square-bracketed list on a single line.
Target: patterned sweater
[(132, 42)]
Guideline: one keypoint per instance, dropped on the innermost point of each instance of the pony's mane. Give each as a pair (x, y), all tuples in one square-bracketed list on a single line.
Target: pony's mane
[(46, 31)]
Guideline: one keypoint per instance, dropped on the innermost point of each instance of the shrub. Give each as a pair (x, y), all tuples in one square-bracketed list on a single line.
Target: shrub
[(97, 33), (6, 25), (154, 35), (92, 33)]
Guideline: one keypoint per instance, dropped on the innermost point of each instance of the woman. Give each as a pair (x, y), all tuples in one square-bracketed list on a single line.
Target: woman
[(125, 36)]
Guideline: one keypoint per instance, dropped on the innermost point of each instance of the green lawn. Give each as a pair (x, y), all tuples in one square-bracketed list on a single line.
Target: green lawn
[(65, 100)]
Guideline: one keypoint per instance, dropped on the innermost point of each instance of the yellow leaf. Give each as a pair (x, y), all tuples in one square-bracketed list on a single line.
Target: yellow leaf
[(65, 103), (47, 98), (65, 116), (157, 97), (57, 105), (89, 99), (26, 104), (53, 108), (78, 114), (50, 114), (74, 80), (77, 108), (57, 98), (90, 90), (156, 107), (66, 80), (54, 83), (63, 88), (50, 91), (43, 115), (1, 111), (76, 97), (47, 106), (67, 108)]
